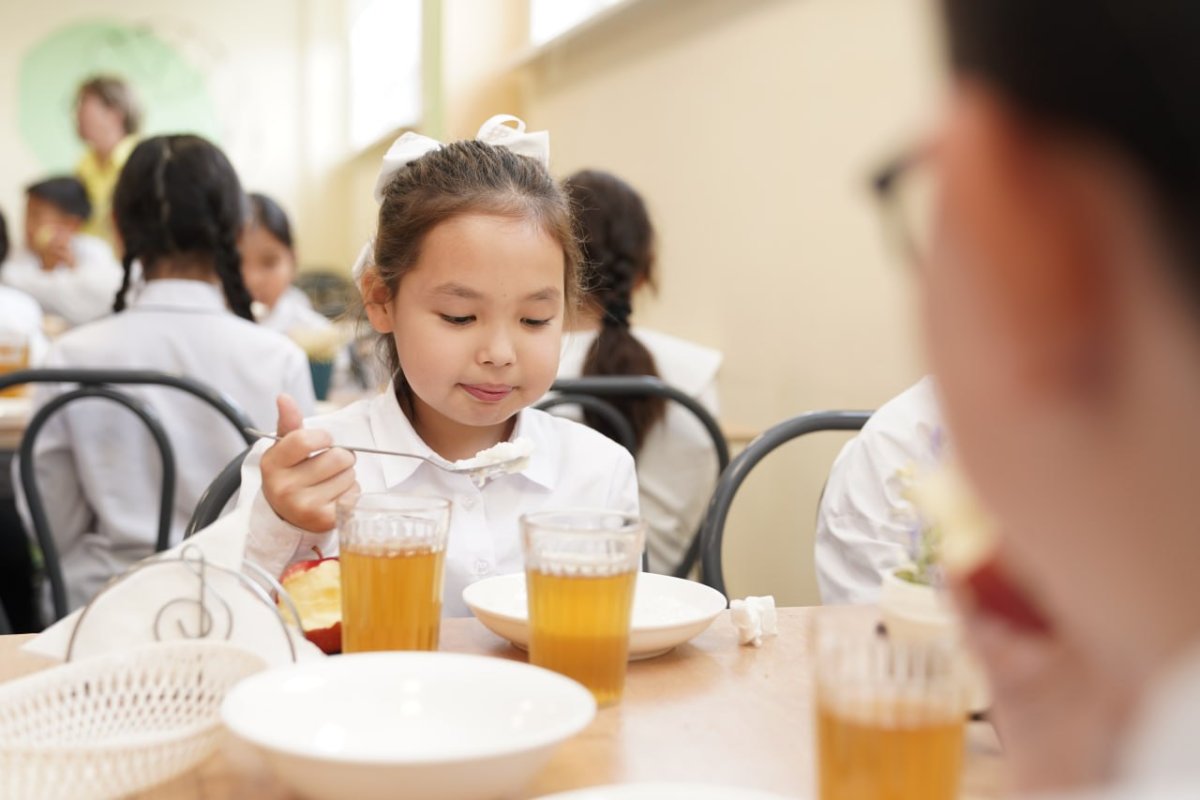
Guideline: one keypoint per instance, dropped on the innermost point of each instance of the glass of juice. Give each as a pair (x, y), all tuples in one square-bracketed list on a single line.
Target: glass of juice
[(14, 356), (580, 575), (392, 549), (891, 718)]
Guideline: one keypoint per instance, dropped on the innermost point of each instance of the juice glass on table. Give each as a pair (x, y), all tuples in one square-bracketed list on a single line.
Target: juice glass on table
[(392, 552), (14, 356), (891, 719), (581, 570)]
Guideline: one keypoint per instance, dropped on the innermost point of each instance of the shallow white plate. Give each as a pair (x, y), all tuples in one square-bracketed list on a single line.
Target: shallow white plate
[(429, 725), (666, 611), (664, 791)]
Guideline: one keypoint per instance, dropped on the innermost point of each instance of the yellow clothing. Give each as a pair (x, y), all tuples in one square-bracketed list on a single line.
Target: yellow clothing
[(100, 179)]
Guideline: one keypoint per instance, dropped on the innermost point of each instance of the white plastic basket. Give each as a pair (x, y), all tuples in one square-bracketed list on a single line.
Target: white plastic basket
[(118, 723)]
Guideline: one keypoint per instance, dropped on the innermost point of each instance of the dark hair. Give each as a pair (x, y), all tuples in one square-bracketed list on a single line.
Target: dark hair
[(66, 194), (466, 177), (179, 196), (270, 215), (114, 93), (3, 238), (1122, 71), (617, 240)]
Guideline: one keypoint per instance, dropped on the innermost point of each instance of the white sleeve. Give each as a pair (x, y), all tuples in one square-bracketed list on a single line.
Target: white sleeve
[(860, 535), (623, 490), (86, 291), (273, 543), (300, 385)]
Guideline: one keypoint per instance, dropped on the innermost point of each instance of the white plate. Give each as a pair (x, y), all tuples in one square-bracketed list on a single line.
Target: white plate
[(664, 791), (430, 725), (666, 611)]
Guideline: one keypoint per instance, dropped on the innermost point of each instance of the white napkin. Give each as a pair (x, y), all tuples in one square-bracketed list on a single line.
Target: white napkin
[(125, 615), (754, 619)]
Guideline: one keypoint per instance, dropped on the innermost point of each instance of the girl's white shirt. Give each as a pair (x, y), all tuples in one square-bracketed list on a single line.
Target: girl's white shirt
[(571, 466), (293, 310), (21, 314), (98, 467), (78, 294), (677, 466)]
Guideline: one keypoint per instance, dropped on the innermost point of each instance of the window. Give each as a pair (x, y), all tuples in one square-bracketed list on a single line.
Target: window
[(385, 68), (551, 18)]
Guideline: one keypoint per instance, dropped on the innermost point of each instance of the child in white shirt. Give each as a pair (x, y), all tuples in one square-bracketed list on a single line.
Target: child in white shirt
[(178, 210), (473, 269), (71, 274), (269, 267)]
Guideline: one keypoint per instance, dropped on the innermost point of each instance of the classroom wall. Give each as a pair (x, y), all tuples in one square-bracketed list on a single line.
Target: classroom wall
[(751, 128), (275, 70)]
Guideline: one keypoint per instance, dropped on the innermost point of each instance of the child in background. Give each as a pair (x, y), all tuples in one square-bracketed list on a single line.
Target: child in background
[(677, 466), (269, 267), (472, 273), (178, 209), (20, 316), (71, 274)]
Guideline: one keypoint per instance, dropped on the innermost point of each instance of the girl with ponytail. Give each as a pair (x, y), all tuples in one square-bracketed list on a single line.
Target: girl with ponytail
[(178, 210), (675, 460)]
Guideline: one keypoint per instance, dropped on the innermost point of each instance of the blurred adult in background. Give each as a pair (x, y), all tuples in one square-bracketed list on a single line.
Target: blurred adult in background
[(108, 118), (676, 463), (1061, 306), (71, 274)]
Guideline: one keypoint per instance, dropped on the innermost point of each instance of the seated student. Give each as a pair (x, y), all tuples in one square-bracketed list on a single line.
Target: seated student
[(468, 279), (72, 275), (1060, 291), (178, 210), (865, 525), (269, 267), (677, 467), (20, 313)]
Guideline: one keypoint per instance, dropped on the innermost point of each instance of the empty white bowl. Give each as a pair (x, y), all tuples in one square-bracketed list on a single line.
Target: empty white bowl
[(429, 725), (666, 611)]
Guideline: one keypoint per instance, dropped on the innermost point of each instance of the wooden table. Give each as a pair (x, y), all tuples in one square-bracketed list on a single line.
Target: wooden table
[(710, 711)]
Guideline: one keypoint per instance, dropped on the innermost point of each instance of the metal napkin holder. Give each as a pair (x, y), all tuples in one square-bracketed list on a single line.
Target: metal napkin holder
[(204, 598)]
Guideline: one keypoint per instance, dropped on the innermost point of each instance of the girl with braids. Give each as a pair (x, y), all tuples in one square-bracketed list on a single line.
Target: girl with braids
[(676, 463), (471, 275), (178, 210)]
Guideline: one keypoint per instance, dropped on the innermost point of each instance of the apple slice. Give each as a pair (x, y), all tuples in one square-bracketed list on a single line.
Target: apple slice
[(315, 586)]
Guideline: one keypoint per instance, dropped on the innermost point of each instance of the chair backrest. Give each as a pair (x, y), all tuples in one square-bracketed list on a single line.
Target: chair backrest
[(712, 530), (99, 383), (217, 495), (609, 386), (622, 430)]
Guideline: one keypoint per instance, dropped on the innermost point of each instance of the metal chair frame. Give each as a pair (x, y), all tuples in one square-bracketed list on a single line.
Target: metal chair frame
[(712, 530), (97, 383)]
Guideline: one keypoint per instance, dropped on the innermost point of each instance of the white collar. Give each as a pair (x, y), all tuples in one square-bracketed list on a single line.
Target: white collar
[(392, 430), (179, 293)]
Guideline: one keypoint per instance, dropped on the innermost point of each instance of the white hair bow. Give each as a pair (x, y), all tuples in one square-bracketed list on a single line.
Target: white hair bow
[(411, 146)]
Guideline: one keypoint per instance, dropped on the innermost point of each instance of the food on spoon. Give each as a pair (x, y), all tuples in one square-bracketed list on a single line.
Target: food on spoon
[(315, 586), (516, 453)]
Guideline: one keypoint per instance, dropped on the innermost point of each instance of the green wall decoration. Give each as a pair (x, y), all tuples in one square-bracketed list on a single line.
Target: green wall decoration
[(173, 92)]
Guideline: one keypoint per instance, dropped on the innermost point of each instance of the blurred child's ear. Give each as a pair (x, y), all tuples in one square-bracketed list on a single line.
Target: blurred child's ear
[(376, 301)]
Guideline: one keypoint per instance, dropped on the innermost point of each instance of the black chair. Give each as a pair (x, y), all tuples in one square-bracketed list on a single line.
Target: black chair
[(712, 531), (610, 386), (99, 383), (217, 495), (622, 430)]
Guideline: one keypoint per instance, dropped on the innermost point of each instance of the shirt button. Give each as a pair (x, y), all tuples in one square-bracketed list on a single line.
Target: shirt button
[(482, 566)]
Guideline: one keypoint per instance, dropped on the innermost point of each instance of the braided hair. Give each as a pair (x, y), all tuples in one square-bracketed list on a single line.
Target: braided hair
[(617, 239), (179, 196)]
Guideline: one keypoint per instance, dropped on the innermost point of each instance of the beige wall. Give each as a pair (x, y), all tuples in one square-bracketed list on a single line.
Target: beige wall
[(751, 128)]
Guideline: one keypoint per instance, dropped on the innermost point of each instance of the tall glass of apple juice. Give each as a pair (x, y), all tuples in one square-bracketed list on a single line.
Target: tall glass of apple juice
[(392, 550), (580, 574), (891, 718)]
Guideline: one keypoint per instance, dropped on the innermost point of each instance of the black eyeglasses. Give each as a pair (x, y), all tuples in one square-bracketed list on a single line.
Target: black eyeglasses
[(904, 187)]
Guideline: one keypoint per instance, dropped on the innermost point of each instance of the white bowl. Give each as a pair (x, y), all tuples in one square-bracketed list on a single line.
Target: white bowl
[(664, 791), (666, 611), (429, 725)]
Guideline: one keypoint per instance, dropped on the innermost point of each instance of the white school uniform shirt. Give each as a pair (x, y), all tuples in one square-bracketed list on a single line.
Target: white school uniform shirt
[(78, 294), (677, 466), (571, 466), (864, 525), (21, 314), (98, 468), (293, 310)]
